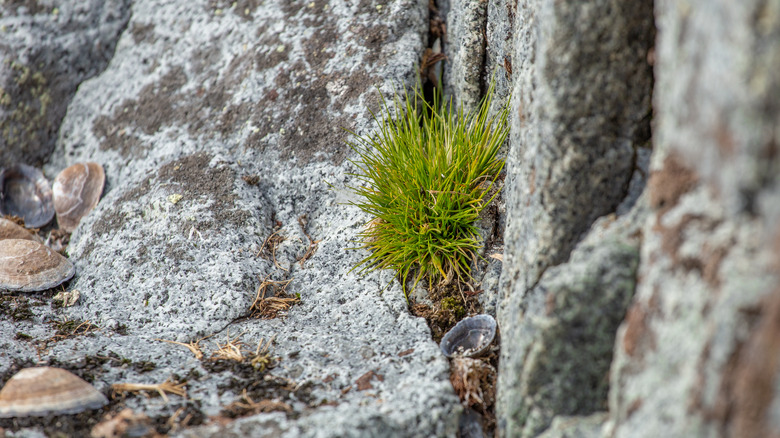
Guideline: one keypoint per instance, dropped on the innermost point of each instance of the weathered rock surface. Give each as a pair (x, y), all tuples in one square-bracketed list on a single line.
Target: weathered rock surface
[(48, 48), (698, 353), (580, 124), (220, 124)]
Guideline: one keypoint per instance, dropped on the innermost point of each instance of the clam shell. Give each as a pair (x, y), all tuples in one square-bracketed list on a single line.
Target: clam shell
[(470, 337), (28, 266), (26, 193), (77, 191), (9, 230), (39, 391)]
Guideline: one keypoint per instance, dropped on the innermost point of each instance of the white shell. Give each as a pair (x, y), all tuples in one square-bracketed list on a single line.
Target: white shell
[(40, 391)]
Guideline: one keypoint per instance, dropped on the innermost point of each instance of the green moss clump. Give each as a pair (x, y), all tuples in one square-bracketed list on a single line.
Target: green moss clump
[(454, 306)]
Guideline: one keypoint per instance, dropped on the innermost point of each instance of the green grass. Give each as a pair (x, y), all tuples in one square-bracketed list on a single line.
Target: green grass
[(425, 175)]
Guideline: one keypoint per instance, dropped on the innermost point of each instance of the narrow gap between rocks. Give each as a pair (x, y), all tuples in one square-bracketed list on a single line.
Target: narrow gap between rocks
[(473, 379)]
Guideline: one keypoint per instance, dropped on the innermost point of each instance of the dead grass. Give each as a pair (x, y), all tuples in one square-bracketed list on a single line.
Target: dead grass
[(247, 406), (272, 306), (194, 347), (269, 247), (167, 386), (230, 350), (474, 382)]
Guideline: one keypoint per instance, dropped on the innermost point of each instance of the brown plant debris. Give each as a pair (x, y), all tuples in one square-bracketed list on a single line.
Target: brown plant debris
[(303, 221), (252, 180), (161, 388), (474, 382), (273, 306), (124, 424), (67, 328), (247, 406), (364, 382), (194, 347), (230, 350), (262, 357), (268, 249)]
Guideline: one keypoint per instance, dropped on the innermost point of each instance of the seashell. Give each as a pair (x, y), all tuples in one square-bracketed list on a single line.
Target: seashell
[(9, 230), (29, 266), (470, 337), (77, 190), (26, 193), (40, 391)]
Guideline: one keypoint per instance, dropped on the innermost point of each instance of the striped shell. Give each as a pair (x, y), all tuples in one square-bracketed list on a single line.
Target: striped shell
[(29, 266), (40, 391), (77, 191), (9, 230)]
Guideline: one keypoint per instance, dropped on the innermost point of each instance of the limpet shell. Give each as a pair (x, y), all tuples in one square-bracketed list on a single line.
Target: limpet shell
[(40, 391), (470, 337), (26, 193), (9, 230), (77, 190), (29, 266)]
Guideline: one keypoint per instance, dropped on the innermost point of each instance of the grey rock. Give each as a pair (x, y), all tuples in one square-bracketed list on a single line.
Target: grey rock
[(557, 347), (697, 353), (579, 138), (465, 48), (197, 96), (576, 427), (48, 49), (580, 109)]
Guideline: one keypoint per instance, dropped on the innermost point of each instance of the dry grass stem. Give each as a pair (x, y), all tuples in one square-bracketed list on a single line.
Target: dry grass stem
[(161, 388), (249, 406), (194, 347), (272, 243), (270, 307), (304, 222), (231, 350)]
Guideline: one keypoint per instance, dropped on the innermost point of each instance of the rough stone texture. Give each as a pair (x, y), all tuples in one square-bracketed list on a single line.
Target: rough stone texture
[(48, 48), (564, 332), (238, 107), (580, 126), (499, 30), (698, 354), (581, 107), (466, 44), (576, 427)]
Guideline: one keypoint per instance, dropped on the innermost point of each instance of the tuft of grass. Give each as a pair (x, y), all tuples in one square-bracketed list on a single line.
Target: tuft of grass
[(425, 175)]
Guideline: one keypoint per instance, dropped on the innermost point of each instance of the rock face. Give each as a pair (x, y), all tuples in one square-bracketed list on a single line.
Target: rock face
[(639, 291), (48, 49), (697, 353), (580, 125), (220, 126), (699, 350)]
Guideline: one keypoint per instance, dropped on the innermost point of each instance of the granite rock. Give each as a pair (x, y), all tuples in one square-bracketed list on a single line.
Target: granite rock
[(220, 128), (48, 49), (698, 352)]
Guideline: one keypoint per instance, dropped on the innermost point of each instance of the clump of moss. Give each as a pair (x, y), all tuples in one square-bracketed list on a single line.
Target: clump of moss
[(452, 304), (425, 176)]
